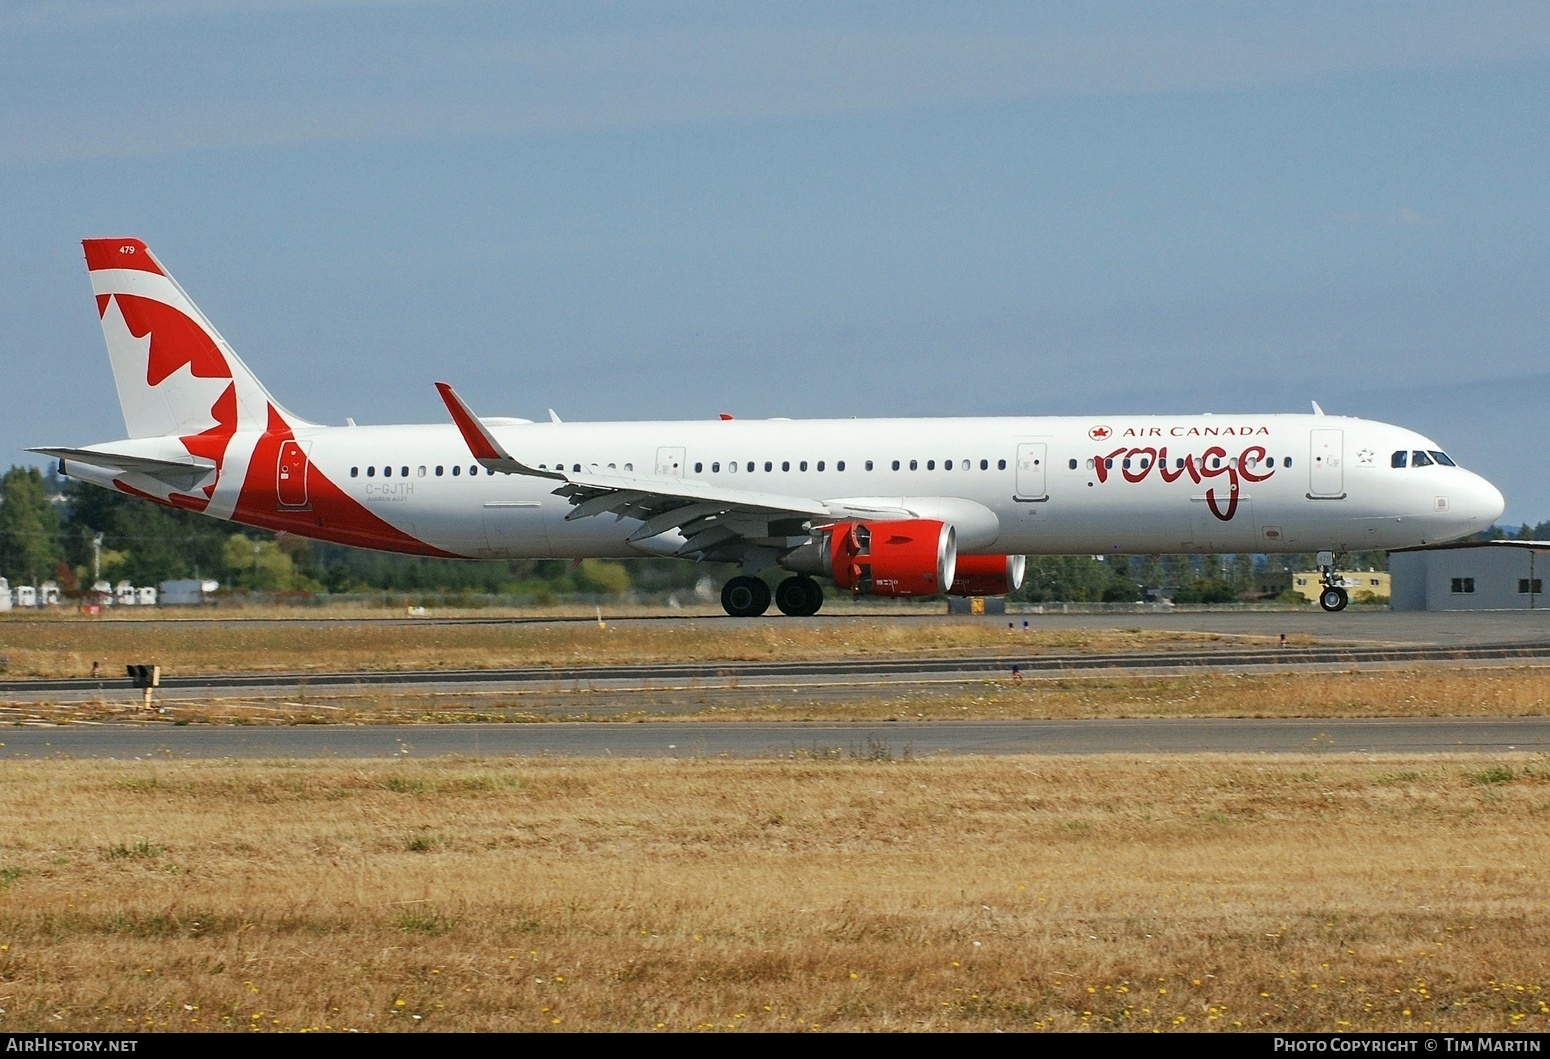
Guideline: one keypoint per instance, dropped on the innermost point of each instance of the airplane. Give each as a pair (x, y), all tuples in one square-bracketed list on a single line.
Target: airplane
[(885, 507)]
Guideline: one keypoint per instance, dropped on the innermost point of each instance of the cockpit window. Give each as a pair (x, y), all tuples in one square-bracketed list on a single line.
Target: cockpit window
[(1420, 459), (1442, 458), (1400, 458)]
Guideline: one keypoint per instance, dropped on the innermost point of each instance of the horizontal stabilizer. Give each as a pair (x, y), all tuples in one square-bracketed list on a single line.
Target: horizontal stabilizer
[(182, 475)]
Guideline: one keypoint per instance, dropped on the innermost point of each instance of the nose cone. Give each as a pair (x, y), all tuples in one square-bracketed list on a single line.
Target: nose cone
[(1482, 502)]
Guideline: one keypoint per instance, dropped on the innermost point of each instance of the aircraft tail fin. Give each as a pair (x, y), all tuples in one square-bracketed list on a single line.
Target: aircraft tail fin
[(176, 375)]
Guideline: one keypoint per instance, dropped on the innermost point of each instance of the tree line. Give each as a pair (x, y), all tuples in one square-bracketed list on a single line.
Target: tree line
[(71, 533)]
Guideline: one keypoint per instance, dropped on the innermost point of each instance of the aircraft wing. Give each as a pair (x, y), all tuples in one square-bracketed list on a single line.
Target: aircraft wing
[(708, 516), (179, 474)]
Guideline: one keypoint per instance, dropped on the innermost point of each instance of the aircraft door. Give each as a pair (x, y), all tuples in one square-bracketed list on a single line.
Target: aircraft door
[(1032, 458), (291, 475), (1326, 471), (670, 462)]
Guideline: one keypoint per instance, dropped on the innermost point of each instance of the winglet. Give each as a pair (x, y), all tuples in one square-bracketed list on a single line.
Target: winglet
[(1317, 410), (482, 443)]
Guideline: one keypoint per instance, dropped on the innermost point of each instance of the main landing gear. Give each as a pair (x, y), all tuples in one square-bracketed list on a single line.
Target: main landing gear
[(745, 597), (1333, 597), (749, 597), (799, 597)]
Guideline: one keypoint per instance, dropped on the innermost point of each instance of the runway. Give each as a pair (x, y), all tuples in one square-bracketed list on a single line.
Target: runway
[(859, 740), (721, 674)]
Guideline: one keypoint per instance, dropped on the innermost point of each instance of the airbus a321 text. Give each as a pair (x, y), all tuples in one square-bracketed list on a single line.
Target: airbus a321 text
[(889, 507)]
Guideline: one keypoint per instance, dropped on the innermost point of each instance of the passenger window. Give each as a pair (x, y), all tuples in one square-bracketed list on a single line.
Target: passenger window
[(1420, 459), (387, 472), (1399, 459), (698, 467), (930, 465), (438, 470), (840, 466), (820, 465), (573, 467), (1442, 458), (371, 472), (715, 468), (1125, 463), (1091, 463), (456, 470), (631, 466), (1286, 462), (731, 466), (1108, 464), (355, 472), (947, 465), (896, 465), (769, 465), (1000, 465), (914, 465), (1270, 462), (869, 465), (1073, 465), (750, 466), (785, 465), (984, 465), (802, 466), (422, 470)]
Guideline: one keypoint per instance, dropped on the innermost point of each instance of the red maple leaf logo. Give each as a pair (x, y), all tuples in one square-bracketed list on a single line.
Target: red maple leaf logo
[(1099, 433)]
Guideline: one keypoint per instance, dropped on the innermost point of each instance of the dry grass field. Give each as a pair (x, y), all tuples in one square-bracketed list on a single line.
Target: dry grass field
[(67, 647), (964, 894)]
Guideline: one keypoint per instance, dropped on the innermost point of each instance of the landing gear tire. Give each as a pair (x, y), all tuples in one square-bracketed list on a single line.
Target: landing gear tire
[(799, 597), (745, 597), (1333, 599)]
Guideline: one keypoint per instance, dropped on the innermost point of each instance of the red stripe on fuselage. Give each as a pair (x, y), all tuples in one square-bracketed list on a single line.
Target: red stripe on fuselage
[(334, 516)]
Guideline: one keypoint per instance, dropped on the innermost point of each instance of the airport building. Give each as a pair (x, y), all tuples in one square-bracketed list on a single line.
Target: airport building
[(1364, 586), (1470, 575)]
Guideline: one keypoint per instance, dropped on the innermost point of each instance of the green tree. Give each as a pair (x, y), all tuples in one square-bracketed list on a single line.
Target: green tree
[(257, 564), (29, 528), (142, 541)]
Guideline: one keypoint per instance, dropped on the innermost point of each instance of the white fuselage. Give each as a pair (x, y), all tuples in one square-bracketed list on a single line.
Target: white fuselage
[(1050, 485)]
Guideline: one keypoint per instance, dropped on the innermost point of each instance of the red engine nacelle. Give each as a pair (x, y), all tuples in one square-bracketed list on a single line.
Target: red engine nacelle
[(916, 557), (988, 575)]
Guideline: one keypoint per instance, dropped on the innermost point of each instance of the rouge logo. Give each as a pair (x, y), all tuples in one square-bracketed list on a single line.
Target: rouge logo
[(1137, 463)]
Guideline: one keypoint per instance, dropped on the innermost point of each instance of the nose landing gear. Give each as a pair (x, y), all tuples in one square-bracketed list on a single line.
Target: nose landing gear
[(1334, 597)]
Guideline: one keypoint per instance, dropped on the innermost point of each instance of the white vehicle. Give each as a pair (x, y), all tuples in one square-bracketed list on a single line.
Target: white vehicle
[(893, 507)]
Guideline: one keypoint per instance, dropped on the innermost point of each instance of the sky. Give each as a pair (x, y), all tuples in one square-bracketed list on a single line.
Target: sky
[(668, 211)]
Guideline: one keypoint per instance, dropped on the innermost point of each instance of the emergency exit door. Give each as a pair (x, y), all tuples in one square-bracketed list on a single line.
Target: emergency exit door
[(291, 475)]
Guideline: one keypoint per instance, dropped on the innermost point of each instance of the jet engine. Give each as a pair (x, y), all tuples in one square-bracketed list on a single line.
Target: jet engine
[(988, 575), (913, 557)]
